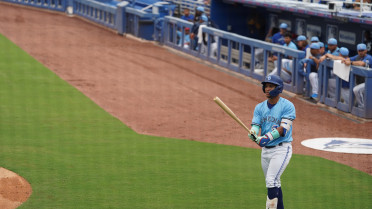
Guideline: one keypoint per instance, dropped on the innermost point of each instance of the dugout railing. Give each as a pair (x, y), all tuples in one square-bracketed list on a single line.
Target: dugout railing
[(234, 51), (333, 94), (101, 13), (333, 97), (366, 111)]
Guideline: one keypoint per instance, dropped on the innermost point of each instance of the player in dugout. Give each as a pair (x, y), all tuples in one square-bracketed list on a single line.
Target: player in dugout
[(361, 59), (344, 55)]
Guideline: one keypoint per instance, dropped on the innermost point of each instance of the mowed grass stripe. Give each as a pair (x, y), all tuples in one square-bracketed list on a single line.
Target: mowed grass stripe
[(76, 155)]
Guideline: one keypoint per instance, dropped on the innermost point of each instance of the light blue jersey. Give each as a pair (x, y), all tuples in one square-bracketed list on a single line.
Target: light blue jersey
[(336, 52), (291, 45), (267, 118)]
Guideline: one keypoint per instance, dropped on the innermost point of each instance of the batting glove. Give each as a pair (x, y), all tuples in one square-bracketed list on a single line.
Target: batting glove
[(252, 135), (262, 140)]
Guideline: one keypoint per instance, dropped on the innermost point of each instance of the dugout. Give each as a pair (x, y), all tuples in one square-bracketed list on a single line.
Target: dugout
[(254, 19)]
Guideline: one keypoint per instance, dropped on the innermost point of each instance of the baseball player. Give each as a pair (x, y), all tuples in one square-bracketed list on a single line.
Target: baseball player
[(274, 117)]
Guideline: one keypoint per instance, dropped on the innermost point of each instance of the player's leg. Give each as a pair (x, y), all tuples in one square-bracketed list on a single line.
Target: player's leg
[(272, 198), (278, 163), (285, 76), (332, 87), (280, 198), (272, 193), (214, 49), (345, 95), (359, 94), (265, 162), (286, 73), (258, 55), (313, 77), (275, 198), (274, 72)]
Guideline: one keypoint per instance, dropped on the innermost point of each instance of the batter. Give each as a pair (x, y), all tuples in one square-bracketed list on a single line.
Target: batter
[(274, 117)]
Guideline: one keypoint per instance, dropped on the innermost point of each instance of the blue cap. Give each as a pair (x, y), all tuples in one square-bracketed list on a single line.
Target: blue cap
[(361, 47), (204, 18), (314, 39), (314, 46), (301, 38), (321, 44), (344, 51), (283, 26), (332, 41), (200, 9)]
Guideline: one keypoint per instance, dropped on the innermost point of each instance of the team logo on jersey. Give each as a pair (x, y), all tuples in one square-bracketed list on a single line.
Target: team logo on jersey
[(343, 145), (270, 119)]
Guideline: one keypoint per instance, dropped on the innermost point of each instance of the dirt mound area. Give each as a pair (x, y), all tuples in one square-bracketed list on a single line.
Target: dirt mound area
[(14, 190)]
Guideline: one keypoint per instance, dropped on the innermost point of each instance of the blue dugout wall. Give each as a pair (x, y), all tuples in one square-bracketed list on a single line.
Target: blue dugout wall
[(254, 19), (230, 50), (234, 51)]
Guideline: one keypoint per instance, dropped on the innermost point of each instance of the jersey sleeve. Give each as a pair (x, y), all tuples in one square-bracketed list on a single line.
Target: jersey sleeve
[(256, 120), (353, 58), (293, 46), (369, 58), (289, 112)]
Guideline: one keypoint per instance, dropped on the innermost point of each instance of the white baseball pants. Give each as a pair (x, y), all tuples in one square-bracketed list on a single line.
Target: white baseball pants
[(359, 94), (274, 161), (313, 77)]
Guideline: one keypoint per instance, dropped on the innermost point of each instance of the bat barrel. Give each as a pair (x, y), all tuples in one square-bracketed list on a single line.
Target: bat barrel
[(230, 112)]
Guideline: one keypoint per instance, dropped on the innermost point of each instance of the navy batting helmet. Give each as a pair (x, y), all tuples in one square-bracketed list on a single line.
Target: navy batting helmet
[(274, 79)]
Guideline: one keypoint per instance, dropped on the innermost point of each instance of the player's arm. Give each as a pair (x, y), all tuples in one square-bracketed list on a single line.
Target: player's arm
[(316, 60), (358, 63), (256, 124), (253, 133), (285, 126), (322, 58), (282, 130)]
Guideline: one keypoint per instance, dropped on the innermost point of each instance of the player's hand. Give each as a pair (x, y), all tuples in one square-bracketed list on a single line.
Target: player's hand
[(346, 62), (252, 135), (262, 140), (322, 59)]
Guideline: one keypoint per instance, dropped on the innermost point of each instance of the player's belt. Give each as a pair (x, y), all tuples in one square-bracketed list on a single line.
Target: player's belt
[(269, 147)]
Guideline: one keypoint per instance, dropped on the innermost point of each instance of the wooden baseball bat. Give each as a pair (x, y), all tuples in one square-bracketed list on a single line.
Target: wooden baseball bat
[(231, 113)]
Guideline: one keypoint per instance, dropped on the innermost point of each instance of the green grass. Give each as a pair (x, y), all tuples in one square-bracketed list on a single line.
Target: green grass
[(76, 155)]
